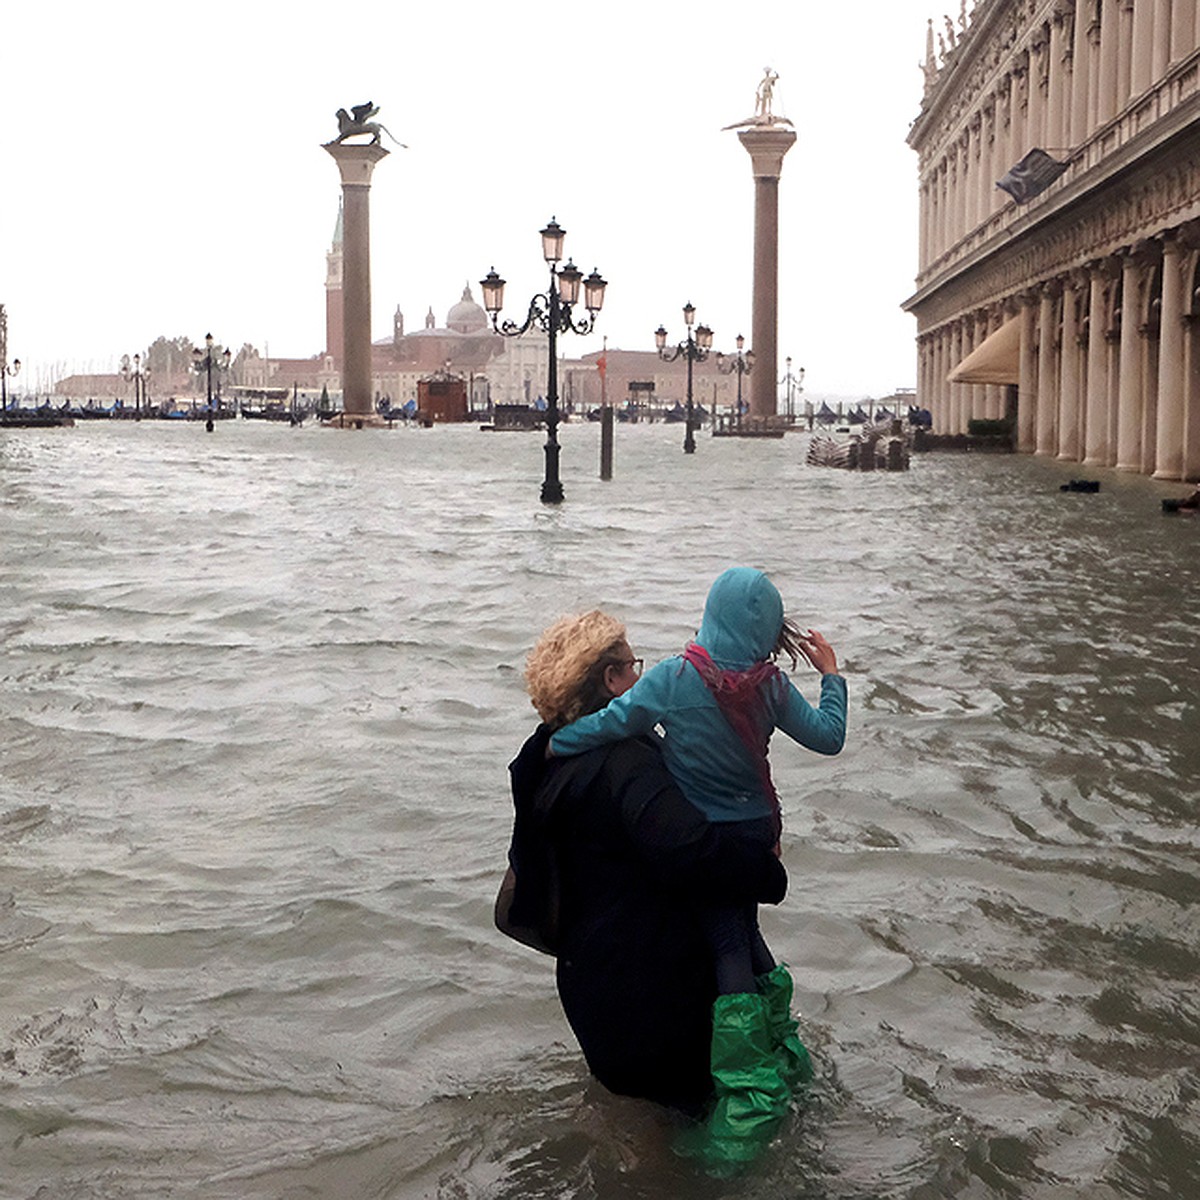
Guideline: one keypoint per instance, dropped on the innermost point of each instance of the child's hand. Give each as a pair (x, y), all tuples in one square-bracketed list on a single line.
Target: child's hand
[(819, 652)]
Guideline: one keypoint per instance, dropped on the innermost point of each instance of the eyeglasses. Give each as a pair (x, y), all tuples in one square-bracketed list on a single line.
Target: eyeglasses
[(634, 663)]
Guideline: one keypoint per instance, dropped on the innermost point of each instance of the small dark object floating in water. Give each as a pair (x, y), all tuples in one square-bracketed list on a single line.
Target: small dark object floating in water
[(1080, 485), (1190, 504)]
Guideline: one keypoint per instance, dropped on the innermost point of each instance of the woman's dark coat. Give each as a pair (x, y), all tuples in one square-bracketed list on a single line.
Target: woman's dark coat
[(611, 862)]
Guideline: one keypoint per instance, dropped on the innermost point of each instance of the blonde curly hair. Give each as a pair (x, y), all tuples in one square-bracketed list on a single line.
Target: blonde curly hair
[(564, 673)]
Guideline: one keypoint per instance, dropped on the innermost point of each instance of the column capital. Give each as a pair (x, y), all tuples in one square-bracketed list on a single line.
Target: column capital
[(356, 161), (766, 148)]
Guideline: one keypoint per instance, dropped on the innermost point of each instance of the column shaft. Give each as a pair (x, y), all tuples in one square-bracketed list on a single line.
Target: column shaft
[(1129, 396), (1069, 441), (1080, 74), (1096, 414), (1142, 49), (1047, 389), (1161, 52), (766, 146), (1110, 36), (1183, 28), (1027, 378)]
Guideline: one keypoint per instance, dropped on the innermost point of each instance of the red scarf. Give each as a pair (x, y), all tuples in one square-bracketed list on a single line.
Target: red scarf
[(742, 698)]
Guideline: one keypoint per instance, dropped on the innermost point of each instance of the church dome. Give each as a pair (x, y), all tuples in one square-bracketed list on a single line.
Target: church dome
[(467, 316)]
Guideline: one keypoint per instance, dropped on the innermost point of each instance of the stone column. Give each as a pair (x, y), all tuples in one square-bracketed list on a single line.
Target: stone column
[(1169, 439), (1056, 101), (994, 410), (1026, 396), (1110, 36), (356, 162), (766, 147), (1037, 94), (941, 416), (1047, 384), (1183, 28), (1080, 74), (1124, 51), (1142, 48), (953, 390), (1191, 376), (1129, 395), (1160, 53), (1069, 441), (1096, 419)]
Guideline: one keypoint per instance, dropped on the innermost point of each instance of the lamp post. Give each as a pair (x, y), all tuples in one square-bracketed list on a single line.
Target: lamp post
[(204, 362), (694, 349), (6, 371), (551, 312), (139, 378), (743, 364), (793, 385)]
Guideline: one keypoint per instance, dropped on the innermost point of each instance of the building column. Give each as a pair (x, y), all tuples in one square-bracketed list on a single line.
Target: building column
[(1055, 99), (1190, 466), (1149, 351), (1110, 37), (1141, 50), (1124, 52), (1069, 440), (1027, 377), (994, 405), (1183, 28), (933, 401), (766, 147), (1129, 394), (1160, 54), (1039, 50), (1046, 425), (954, 390), (943, 421), (1096, 450), (1169, 432), (1080, 76)]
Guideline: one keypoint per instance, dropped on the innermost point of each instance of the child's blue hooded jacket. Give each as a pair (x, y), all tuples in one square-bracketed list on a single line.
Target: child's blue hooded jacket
[(742, 619)]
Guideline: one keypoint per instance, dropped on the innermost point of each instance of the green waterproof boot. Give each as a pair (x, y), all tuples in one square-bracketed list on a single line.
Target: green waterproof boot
[(752, 1095), (775, 988)]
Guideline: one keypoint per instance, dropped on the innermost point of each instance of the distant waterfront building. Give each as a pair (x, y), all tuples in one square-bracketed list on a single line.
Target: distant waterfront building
[(1071, 301), (497, 370)]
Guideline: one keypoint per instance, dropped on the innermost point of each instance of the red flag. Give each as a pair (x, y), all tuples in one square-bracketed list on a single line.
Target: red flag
[(602, 364)]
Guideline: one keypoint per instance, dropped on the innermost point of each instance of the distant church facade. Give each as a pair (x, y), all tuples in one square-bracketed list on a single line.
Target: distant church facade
[(1068, 298)]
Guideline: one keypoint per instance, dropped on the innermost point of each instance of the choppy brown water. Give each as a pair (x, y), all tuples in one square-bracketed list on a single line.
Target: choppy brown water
[(258, 692)]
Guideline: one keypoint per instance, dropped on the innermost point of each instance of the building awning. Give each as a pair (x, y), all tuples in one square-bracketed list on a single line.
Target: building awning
[(996, 359)]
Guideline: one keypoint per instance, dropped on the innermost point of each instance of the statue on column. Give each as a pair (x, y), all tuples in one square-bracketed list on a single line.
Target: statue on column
[(358, 121), (762, 99), (763, 116)]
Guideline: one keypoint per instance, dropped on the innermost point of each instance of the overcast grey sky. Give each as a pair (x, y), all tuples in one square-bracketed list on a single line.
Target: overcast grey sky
[(163, 173)]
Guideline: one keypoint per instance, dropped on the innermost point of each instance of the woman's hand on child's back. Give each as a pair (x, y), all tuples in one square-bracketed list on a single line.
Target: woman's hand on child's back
[(818, 652)]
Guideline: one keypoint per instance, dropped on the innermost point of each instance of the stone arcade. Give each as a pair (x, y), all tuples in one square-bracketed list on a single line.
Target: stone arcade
[(1077, 311)]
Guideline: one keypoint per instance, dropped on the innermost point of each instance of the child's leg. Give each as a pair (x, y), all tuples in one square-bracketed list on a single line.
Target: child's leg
[(761, 958), (729, 938)]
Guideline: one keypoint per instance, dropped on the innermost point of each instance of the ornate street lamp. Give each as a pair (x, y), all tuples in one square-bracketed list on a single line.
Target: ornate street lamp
[(743, 364), (6, 371), (204, 362), (794, 385), (695, 349), (551, 312), (140, 380)]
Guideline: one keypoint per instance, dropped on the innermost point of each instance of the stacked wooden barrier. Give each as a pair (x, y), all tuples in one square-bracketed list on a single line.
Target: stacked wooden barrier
[(878, 447)]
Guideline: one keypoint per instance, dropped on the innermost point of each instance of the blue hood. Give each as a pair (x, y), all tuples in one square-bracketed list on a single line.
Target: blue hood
[(742, 618)]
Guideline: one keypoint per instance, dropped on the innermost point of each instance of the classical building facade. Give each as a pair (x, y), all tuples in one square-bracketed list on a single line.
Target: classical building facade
[(1077, 310)]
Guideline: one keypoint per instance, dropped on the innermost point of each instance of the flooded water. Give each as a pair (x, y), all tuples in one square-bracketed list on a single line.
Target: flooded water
[(259, 690)]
